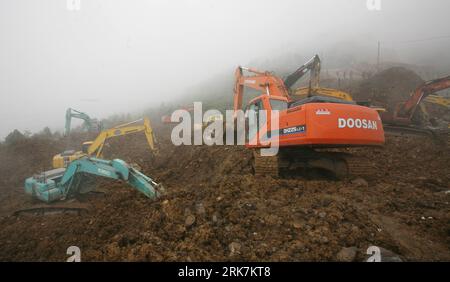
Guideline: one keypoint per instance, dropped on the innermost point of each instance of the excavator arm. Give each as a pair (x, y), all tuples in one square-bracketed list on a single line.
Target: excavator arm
[(438, 100), (265, 82), (407, 109), (96, 148), (72, 113), (312, 66)]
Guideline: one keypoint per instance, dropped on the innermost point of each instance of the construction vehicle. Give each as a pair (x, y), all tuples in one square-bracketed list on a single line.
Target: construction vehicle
[(305, 127), (414, 124), (63, 183), (407, 118), (89, 123), (438, 100), (312, 66), (95, 148), (304, 92)]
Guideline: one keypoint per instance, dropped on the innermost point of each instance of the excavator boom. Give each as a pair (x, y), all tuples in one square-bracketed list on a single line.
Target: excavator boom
[(95, 148), (404, 112), (313, 66), (88, 124), (265, 82), (438, 100), (304, 92), (407, 119)]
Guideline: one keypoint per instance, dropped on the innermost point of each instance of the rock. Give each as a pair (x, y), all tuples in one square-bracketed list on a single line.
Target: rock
[(187, 212), (297, 225), (214, 218), (234, 248), (347, 254), (190, 220), (360, 182), (200, 209)]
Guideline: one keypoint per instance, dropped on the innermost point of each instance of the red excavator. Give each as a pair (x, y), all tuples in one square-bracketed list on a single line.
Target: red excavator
[(406, 117), (305, 128)]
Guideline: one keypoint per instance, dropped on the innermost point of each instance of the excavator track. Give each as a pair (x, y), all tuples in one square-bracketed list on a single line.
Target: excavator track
[(265, 165), (338, 165), (359, 167), (448, 141), (60, 208)]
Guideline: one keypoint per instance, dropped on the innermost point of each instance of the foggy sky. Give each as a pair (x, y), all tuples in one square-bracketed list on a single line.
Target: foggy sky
[(119, 56)]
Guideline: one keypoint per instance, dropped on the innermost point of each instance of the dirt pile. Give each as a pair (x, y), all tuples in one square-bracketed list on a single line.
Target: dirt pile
[(32, 155), (216, 209), (388, 87)]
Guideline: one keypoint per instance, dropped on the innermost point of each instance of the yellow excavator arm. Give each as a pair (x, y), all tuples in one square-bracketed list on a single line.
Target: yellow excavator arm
[(436, 99), (322, 91), (95, 148)]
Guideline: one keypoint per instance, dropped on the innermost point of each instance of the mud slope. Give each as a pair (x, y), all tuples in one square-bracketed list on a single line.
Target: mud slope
[(215, 209)]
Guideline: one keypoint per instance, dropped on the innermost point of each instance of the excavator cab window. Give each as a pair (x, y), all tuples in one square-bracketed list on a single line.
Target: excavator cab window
[(278, 105), (85, 147), (253, 118)]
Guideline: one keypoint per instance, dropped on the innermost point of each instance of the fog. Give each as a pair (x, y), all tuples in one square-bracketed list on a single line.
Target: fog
[(120, 56)]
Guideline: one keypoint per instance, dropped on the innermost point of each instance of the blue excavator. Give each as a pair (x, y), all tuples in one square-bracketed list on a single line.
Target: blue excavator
[(63, 183)]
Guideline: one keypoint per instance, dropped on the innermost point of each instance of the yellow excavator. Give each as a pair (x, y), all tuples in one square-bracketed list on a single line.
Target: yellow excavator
[(438, 100), (95, 148), (322, 91), (313, 89)]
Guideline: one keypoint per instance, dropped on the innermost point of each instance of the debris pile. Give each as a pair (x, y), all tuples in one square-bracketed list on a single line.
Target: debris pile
[(216, 209)]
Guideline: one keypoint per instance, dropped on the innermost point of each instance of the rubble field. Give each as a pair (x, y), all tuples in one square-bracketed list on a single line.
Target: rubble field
[(216, 209)]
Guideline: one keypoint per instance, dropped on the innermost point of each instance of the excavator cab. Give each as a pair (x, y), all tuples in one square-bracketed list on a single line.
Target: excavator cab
[(85, 146), (259, 120)]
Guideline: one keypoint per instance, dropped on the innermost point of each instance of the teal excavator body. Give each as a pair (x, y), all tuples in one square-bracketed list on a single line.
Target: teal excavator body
[(61, 183)]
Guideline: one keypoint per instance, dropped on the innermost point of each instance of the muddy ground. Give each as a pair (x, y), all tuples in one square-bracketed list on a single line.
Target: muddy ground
[(215, 209)]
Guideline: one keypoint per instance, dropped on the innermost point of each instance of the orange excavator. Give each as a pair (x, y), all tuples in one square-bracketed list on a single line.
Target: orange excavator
[(306, 127), (406, 117)]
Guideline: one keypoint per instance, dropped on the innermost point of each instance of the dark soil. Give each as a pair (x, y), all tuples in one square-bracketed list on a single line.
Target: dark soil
[(215, 209)]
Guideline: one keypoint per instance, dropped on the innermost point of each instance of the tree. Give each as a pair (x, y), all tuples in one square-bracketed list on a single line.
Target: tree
[(14, 137), (46, 132)]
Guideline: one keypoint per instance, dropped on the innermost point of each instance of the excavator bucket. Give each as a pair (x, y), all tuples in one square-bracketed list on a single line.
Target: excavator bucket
[(145, 184), (138, 180)]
